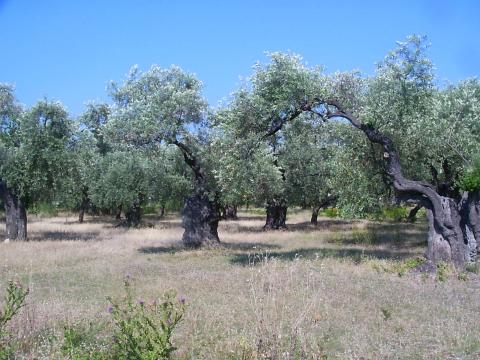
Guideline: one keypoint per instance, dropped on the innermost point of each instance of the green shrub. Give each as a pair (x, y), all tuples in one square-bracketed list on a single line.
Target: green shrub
[(14, 301), (331, 212), (140, 331), (150, 209), (144, 331), (44, 209), (396, 213)]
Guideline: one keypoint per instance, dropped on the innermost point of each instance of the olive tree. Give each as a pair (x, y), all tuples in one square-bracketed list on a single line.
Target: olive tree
[(274, 96), (405, 118), (165, 106), (33, 152), (121, 179), (88, 145)]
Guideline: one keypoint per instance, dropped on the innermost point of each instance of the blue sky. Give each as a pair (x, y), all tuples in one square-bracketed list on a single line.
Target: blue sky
[(70, 50)]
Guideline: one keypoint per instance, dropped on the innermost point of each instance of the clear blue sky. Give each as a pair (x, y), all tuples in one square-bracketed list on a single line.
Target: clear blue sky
[(70, 50)]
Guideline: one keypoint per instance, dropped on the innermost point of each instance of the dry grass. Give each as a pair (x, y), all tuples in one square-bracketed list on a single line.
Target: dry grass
[(305, 293)]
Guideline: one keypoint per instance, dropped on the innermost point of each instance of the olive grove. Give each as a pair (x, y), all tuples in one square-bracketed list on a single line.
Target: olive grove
[(291, 136)]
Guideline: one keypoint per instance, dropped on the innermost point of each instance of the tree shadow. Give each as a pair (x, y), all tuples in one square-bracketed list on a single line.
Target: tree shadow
[(355, 255), (166, 224), (247, 218), (64, 236), (395, 235), (178, 248), (306, 227)]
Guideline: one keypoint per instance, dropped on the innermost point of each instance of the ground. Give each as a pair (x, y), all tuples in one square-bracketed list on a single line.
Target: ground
[(338, 290)]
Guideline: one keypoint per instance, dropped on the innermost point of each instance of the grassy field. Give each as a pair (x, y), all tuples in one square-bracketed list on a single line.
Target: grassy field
[(339, 290)]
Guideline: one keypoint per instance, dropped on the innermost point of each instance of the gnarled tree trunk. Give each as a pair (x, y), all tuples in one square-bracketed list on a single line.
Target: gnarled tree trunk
[(200, 214), (276, 215), (453, 223), (15, 214), (314, 218), (133, 216), (412, 215), (229, 212), (200, 217)]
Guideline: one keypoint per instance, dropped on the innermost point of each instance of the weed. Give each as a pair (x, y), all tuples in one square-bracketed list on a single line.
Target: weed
[(14, 301), (443, 271), (144, 331), (398, 267), (387, 313), (463, 276), (473, 268)]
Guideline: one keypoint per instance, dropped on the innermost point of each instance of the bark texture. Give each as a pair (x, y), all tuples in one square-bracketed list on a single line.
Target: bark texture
[(133, 216), (200, 214), (83, 208), (200, 217), (276, 215), (15, 214), (229, 212), (314, 218)]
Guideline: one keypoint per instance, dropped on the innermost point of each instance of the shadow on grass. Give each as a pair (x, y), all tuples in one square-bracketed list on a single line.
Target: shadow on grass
[(172, 249), (331, 225), (395, 235), (63, 236), (355, 255), (249, 217)]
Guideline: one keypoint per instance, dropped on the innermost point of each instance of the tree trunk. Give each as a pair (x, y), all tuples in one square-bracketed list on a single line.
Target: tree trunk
[(412, 215), (200, 217), (15, 214), (276, 215), (229, 212), (314, 218), (453, 224), (327, 201), (83, 208), (118, 215), (474, 216), (162, 211), (460, 245), (133, 215)]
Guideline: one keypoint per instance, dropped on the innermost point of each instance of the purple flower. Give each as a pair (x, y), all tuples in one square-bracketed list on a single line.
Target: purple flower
[(182, 299), (110, 309), (128, 276), (141, 302)]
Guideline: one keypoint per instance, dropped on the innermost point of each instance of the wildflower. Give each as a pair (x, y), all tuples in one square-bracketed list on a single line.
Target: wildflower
[(141, 302), (110, 309), (182, 299)]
